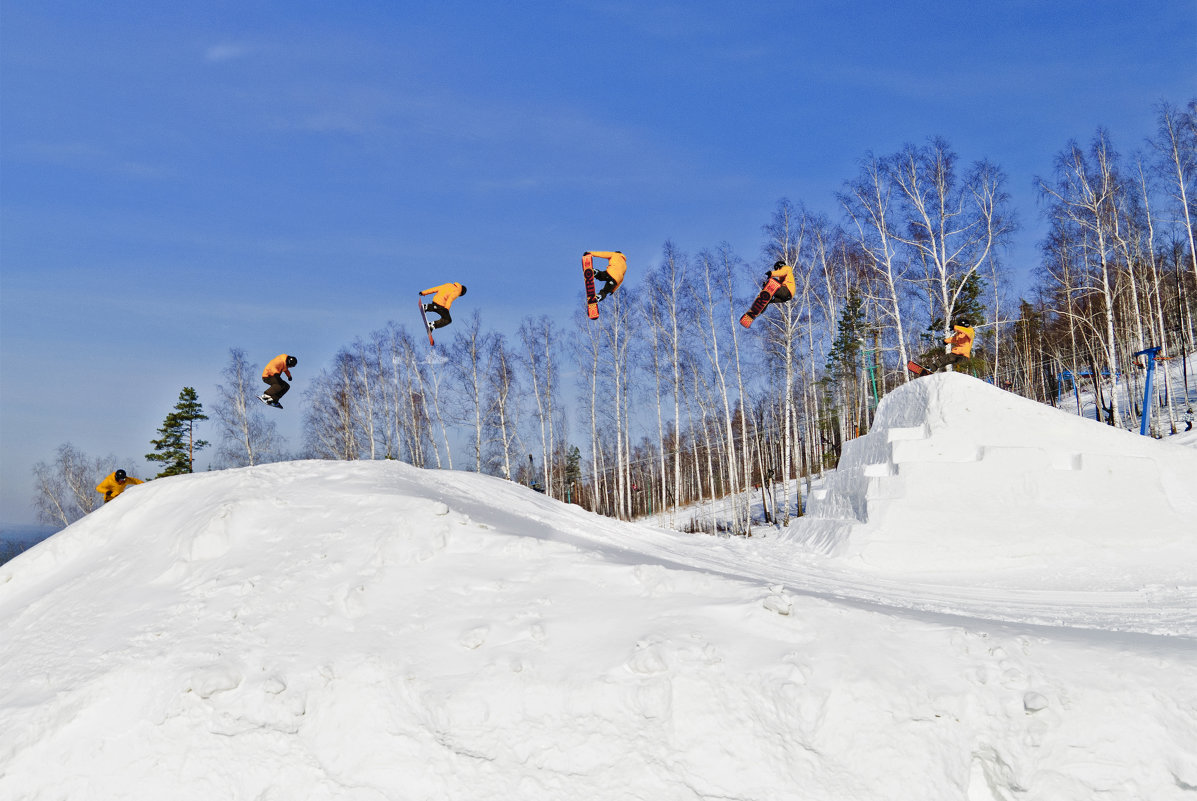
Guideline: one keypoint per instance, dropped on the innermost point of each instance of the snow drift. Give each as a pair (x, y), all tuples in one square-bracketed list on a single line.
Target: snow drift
[(323, 630)]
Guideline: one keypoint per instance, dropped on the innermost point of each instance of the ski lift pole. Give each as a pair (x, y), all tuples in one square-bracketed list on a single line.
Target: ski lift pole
[(1146, 421), (872, 368)]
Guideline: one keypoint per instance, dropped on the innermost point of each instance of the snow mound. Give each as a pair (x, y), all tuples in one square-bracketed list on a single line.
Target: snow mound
[(366, 631), (958, 477)]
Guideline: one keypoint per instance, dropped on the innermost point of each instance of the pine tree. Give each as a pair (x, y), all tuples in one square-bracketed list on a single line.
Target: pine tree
[(843, 360), (177, 446), (573, 471), (969, 305)]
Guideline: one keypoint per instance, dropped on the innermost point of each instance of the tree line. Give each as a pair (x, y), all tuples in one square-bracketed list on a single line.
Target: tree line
[(666, 400)]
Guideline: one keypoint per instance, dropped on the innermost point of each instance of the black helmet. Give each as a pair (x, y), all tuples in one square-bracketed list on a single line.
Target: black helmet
[(120, 475), (463, 289), (964, 322), (777, 265), (292, 361)]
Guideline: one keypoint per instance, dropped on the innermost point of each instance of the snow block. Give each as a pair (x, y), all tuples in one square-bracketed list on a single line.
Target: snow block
[(957, 475), (933, 450)]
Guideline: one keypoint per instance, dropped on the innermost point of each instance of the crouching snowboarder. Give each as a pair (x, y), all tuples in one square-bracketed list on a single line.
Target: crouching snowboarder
[(279, 366), (961, 340), (117, 482)]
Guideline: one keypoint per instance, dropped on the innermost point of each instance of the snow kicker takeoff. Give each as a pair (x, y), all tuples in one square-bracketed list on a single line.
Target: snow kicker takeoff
[(779, 287), (617, 266)]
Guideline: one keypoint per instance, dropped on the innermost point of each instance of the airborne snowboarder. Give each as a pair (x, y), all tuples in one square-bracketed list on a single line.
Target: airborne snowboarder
[(617, 265), (442, 298), (779, 287), (279, 366)]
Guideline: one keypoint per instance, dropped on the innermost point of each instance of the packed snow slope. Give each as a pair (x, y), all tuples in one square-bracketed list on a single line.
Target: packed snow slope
[(960, 479), (324, 630)]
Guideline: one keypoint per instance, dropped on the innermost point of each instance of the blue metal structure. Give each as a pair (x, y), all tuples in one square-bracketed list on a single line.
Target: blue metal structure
[(1146, 421)]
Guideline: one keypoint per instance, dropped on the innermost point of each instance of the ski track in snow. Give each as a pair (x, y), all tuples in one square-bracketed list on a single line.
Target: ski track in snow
[(1156, 610)]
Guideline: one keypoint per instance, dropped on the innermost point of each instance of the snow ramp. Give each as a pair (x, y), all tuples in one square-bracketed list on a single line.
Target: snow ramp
[(957, 476), (374, 632)]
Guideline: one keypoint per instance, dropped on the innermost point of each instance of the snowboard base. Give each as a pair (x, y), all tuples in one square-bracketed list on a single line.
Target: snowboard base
[(762, 300), (588, 276)]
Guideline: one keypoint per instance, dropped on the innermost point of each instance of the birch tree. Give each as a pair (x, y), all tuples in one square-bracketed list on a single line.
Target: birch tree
[(467, 360), (1082, 195), (665, 285), (248, 437), (539, 338), (502, 405), (786, 235), (589, 352), (65, 490), (617, 339), (1176, 141), (330, 421), (951, 224), (868, 202), (714, 300)]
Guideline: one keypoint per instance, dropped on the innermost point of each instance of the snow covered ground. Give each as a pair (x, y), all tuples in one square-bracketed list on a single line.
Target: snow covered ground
[(325, 630)]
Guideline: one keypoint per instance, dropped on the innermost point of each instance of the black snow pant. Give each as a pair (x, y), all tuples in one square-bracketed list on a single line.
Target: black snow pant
[(609, 286), (444, 320), (278, 387), (781, 295), (941, 364)]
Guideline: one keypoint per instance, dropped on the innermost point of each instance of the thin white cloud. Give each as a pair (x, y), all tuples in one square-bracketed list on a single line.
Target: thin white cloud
[(78, 155), (228, 51)]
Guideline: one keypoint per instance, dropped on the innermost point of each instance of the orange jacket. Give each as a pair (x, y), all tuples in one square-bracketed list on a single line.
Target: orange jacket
[(786, 276), (277, 365), (962, 340), (110, 487), (445, 294), (617, 263)]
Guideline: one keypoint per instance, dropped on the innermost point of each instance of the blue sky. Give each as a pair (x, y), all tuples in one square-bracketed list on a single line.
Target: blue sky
[(180, 178)]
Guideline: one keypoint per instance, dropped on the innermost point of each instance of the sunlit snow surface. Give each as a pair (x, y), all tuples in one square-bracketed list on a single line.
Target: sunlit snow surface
[(991, 601)]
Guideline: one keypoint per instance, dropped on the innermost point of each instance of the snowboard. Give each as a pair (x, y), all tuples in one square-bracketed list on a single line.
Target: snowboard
[(588, 276), (762, 300), (266, 400), (424, 317), (918, 369)]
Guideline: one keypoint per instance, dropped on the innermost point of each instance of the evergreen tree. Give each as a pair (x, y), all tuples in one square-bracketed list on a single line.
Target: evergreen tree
[(969, 304), (177, 446), (573, 471), (843, 360)]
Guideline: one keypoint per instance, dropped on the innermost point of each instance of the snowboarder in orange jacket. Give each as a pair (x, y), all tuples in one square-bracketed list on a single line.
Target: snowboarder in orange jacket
[(279, 366), (442, 298), (617, 265), (117, 482), (785, 274), (961, 340)]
